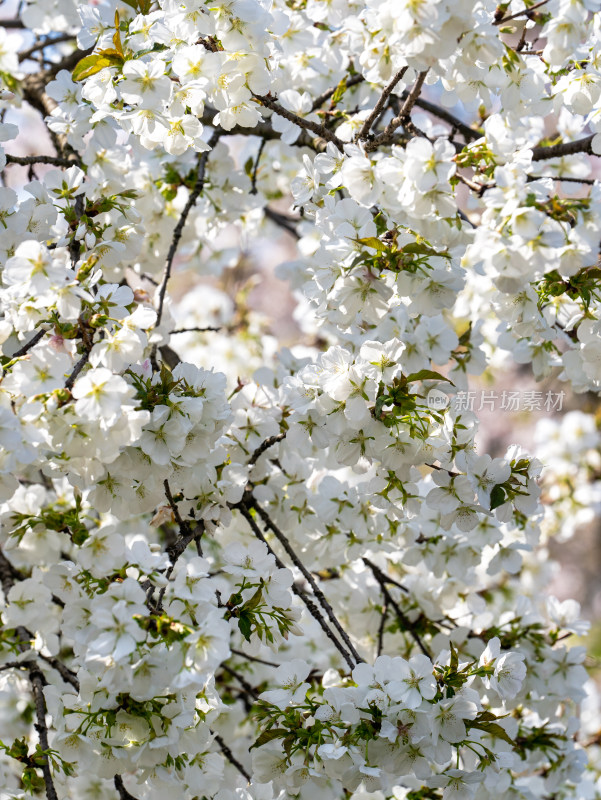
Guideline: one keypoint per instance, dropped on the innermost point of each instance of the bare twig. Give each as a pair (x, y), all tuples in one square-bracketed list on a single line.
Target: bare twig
[(25, 161), (28, 345), (564, 149), (253, 189), (287, 223), (379, 106), (526, 11), (179, 228), (63, 37), (230, 756), (248, 657), (402, 118), (265, 446), (78, 367), (310, 605), (404, 622), (381, 628), (123, 793), (321, 98), (278, 533), (307, 124), (206, 329)]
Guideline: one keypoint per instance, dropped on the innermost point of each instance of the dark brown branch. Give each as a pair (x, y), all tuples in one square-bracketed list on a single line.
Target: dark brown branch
[(179, 228), (527, 12), (269, 523), (381, 628), (250, 690), (253, 181), (11, 23), (468, 133), (248, 657), (230, 756), (567, 179), (206, 329), (404, 622), (307, 124), (287, 223), (265, 446), (123, 793), (78, 367), (321, 98), (37, 684), (564, 149), (64, 37), (402, 118), (25, 161), (31, 343), (379, 106), (310, 605)]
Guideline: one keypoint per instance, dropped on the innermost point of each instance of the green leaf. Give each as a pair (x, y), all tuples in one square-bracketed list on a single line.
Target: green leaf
[(493, 729), (427, 375), (269, 736), (117, 36), (90, 65), (339, 92), (382, 400), (372, 241), (244, 626), (254, 600), (497, 496)]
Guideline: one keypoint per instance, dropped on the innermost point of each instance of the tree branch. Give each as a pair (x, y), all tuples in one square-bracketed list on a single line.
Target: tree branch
[(564, 149), (268, 522), (379, 106), (405, 623), (179, 228), (526, 11), (24, 161), (123, 793), (311, 607), (403, 116), (307, 124), (282, 221), (230, 756)]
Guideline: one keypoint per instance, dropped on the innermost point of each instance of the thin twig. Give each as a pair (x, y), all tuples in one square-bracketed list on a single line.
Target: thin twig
[(381, 628), (287, 223), (265, 446), (64, 37), (248, 657), (379, 106), (564, 149), (321, 98), (566, 179), (230, 756), (402, 118), (253, 181), (31, 343), (205, 329), (405, 623), (307, 124), (242, 681), (179, 228), (269, 523), (526, 11), (311, 607), (123, 793), (78, 367), (24, 161)]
